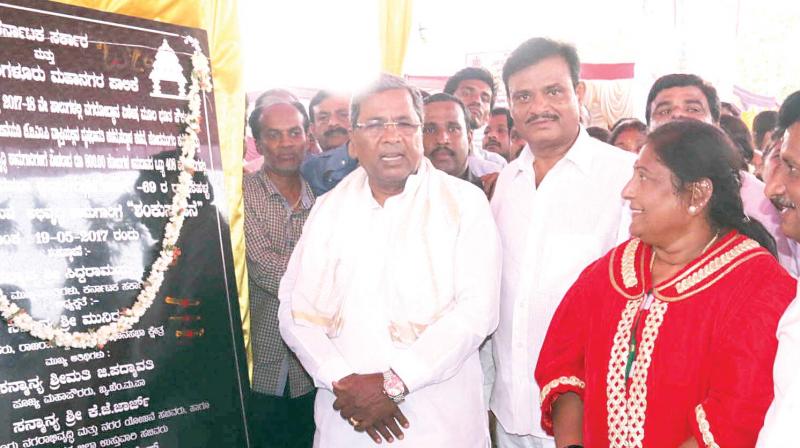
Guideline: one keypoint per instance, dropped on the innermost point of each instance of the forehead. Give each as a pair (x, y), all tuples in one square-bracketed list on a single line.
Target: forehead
[(680, 95), (475, 84), (791, 143), (548, 71), (649, 160), (281, 116), (498, 120), (631, 133), (333, 102), (444, 111), (394, 103)]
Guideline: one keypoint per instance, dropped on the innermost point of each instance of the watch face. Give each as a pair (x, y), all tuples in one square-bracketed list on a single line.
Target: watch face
[(393, 387)]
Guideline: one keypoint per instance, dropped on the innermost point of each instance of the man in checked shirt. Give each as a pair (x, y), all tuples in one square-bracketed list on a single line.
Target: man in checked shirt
[(276, 204)]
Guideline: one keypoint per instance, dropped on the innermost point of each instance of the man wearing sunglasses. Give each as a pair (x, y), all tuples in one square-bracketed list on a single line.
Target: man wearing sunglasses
[(391, 289)]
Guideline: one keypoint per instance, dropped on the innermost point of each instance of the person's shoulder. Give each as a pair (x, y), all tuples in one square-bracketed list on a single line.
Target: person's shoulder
[(463, 191), (611, 155), (249, 180)]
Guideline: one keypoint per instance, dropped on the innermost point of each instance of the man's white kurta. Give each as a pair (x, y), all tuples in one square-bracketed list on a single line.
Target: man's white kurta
[(441, 368), (782, 423), (549, 235)]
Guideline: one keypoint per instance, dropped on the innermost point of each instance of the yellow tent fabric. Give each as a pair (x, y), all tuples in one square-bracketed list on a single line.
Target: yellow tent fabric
[(395, 26), (220, 20)]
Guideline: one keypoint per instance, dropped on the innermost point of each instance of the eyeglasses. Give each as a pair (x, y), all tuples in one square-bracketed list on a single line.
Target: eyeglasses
[(374, 128)]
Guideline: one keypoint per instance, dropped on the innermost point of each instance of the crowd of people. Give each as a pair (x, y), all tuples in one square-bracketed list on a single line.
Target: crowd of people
[(429, 270)]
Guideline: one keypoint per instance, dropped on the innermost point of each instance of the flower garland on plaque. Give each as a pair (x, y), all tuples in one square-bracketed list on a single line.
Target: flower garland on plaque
[(188, 143)]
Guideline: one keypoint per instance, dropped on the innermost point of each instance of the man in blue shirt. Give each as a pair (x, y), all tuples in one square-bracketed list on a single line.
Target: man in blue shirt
[(329, 124)]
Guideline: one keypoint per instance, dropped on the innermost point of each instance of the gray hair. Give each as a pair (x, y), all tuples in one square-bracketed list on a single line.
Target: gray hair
[(385, 82)]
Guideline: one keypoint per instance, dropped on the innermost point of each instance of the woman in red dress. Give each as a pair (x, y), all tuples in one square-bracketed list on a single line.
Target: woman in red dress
[(669, 340)]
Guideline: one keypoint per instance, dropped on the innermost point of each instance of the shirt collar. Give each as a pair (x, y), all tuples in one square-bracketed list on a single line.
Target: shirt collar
[(306, 195), (579, 154), (412, 182)]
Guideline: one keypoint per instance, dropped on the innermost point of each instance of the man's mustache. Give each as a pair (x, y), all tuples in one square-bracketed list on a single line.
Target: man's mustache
[(542, 116), (446, 149), (333, 131)]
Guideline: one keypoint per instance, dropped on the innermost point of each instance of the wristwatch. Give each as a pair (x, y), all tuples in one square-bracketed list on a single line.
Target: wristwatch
[(393, 386)]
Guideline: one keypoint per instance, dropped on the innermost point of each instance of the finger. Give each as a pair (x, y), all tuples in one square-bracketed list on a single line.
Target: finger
[(374, 434), (338, 404), (348, 411), (398, 415), (384, 431), (392, 425)]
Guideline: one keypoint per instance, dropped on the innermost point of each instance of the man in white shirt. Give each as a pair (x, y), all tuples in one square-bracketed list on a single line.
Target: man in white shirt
[(783, 187), (391, 289), (475, 87), (558, 207)]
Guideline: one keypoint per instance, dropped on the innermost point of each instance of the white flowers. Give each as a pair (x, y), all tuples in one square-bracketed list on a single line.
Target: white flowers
[(98, 337)]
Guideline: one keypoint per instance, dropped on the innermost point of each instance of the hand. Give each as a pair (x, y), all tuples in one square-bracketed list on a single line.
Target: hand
[(361, 397), (489, 181)]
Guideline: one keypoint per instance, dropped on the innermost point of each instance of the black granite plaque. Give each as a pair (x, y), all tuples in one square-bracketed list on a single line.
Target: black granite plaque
[(92, 109)]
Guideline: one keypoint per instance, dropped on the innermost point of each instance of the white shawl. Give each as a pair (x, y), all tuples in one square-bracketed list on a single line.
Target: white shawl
[(419, 266)]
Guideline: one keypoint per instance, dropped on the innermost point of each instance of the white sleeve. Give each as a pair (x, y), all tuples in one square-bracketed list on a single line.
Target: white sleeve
[(313, 348), (444, 346), (781, 424)]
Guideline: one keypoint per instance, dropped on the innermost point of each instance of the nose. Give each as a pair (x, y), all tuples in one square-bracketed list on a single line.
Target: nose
[(442, 136), (629, 189), (390, 132), (337, 121), (775, 183)]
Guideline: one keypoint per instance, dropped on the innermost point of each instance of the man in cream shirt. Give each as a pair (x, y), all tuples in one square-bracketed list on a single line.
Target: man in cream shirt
[(558, 207), (392, 287), (782, 423)]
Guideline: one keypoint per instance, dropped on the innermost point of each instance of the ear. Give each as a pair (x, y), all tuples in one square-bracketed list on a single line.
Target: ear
[(351, 145), (580, 91), (701, 192)]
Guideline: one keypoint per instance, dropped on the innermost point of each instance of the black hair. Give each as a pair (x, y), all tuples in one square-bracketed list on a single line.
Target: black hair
[(385, 82), (684, 80), (255, 117), (445, 97), (503, 111), (599, 133), (534, 50), (731, 108), (738, 132), (693, 150), (622, 125), (468, 73), (764, 122), (320, 96), (789, 112)]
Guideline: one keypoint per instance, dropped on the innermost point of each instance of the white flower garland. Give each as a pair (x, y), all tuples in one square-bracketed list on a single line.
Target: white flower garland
[(188, 143)]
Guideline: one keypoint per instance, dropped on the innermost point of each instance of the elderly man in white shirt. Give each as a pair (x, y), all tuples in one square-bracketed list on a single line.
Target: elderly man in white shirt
[(558, 207), (391, 289), (782, 423)]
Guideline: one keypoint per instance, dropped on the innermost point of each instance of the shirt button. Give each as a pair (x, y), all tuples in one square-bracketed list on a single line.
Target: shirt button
[(343, 162)]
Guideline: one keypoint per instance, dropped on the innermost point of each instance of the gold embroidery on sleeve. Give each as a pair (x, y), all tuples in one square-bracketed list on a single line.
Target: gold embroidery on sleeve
[(564, 380)]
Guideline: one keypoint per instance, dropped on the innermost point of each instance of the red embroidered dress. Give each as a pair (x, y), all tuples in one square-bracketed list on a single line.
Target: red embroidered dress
[(704, 347)]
